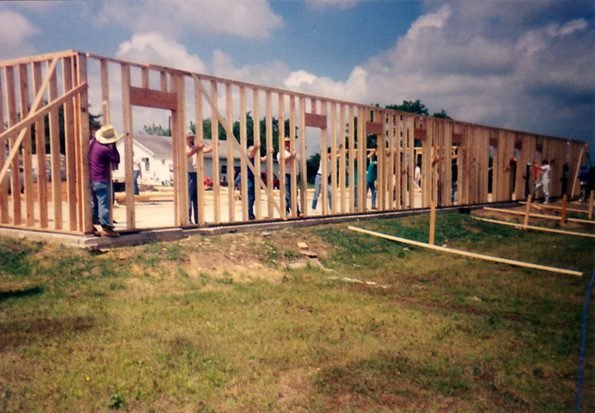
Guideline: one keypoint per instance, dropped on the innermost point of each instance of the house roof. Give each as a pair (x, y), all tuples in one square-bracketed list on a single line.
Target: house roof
[(156, 145), (162, 146)]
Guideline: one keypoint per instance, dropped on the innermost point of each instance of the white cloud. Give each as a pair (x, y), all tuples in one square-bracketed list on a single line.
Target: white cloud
[(154, 48), (435, 20), (483, 64), (248, 19), (493, 70), (327, 4), (268, 73), (16, 34), (353, 89), (568, 28)]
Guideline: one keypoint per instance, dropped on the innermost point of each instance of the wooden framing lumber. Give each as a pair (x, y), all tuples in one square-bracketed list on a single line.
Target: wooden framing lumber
[(40, 137), (127, 119), (228, 122), (61, 80), (579, 162), (303, 165), (324, 163), (315, 120), (282, 166), (352, 161), (243, 159), (527, 213), (70, 148), (507, 211), (84, 185), (215, 142), (153, 98), (179, 144), (333, 160), (469, 254), (219, 119), (3, 182), (199, 156), (294, 164), (26, 147), (555, 207), (269, 152), (432, 237), (534, 228), (257, 157), (342, 161)]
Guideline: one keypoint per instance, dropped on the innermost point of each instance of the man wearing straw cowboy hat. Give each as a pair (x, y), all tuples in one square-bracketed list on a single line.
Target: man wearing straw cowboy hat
[(102, 155)]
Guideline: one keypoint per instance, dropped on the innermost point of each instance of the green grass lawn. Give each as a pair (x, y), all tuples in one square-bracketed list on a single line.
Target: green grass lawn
[(246, 323)]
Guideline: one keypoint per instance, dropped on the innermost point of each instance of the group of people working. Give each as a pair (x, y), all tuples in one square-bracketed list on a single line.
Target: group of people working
[(104, 156)]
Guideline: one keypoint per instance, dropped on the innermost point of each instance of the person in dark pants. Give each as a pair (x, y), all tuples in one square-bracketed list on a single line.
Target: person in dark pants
[(289, 158), (565, 177), (253, 152), (527, 178), (318, 180), (102, 155), (372, 175), (191, 150), (137, 174)]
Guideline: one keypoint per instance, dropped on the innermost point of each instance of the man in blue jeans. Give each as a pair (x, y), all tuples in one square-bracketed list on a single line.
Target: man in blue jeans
[(372, 175), (318, 180), (103, 155), (254, 156)]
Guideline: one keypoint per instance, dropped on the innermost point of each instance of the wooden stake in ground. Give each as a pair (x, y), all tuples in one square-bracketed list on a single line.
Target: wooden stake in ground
[(590, 216), (563, 215), (576, 172), (432, 237), (527, 212), (469, 254), (554, 207)]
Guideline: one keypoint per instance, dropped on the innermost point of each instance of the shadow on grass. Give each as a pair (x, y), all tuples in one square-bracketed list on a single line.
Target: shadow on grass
[(14, 333), (398, 382), (25, 292)]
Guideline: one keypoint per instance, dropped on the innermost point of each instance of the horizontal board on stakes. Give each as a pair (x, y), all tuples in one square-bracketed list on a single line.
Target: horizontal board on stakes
[(469, 254), (551, 217), (532, 227)]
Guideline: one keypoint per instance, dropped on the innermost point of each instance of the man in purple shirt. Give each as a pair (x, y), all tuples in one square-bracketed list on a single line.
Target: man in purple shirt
[(102, 156)]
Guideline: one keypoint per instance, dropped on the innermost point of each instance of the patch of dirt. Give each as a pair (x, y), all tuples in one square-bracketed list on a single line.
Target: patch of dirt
[(247, 257)]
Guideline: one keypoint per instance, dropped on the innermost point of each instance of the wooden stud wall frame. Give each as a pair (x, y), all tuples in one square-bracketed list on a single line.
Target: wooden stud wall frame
[(44, 133)]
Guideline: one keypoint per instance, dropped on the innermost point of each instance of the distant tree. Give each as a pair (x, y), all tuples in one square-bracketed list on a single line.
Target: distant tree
[(94, 122), (222, 134), (418, 108), (411, 106), (156, 130), (442, 114)]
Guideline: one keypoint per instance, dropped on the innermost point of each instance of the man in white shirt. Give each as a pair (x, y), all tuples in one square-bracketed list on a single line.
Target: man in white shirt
[(545, 180)]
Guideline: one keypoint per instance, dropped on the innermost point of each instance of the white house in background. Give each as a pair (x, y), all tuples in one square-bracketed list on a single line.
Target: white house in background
[(155, 155)]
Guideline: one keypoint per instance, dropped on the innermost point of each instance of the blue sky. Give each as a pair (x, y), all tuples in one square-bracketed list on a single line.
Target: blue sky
[(521, 64)]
